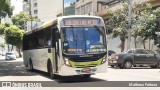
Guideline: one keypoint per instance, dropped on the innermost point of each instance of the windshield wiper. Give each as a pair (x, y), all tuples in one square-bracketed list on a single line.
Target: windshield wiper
[(74, 36), (99, 29)]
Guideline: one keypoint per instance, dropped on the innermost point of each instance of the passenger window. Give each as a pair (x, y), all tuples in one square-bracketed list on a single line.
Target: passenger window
[(141, 52), (48, 38), (41, 39), (144, 52)]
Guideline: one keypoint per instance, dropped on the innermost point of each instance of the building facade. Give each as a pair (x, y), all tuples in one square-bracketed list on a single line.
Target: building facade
[(100, 8), (41, 9), (113, 5), (88, 7), (70, 10)]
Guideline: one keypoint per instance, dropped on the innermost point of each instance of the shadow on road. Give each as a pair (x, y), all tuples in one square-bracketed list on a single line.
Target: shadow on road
[(14, 68), (17, 68), (144, 67), (77, 79), (69, 79)]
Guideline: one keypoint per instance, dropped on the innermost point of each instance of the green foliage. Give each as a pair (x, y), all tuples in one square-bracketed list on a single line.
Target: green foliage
[(3, 26), (2, 29), (145, 23), (2, 45), (13, 35), (5, 8), (117, 22), (21, 19)]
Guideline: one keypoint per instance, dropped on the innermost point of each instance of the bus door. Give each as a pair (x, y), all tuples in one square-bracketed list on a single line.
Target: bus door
[(56, 49)]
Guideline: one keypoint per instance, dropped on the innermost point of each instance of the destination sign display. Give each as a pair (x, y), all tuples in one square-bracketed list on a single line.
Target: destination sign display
[(81, 22)]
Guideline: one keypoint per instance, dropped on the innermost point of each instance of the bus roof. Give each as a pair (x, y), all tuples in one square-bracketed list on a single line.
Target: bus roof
[(57, 20)]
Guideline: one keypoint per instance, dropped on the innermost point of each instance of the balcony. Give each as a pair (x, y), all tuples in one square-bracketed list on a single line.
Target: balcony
[(105, 12)]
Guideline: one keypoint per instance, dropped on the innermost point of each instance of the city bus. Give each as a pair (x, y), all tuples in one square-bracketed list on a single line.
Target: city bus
[(67, 46)]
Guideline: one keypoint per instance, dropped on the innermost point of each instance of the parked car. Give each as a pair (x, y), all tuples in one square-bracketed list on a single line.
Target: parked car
[(10, 55), (110, 52), (3, 53), (136, 57)]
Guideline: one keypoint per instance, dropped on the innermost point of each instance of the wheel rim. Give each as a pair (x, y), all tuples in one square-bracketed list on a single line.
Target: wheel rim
[(128, 64)]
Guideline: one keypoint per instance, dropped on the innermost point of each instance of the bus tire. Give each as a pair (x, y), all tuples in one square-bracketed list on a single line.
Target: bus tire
[(30, 65), (86, 76), (50, 70)]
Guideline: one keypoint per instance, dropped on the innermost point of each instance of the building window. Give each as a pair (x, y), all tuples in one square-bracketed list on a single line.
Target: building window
[(83, 10), (89, 7), (86, 9), (35, 5), (114, 2), (78, 11), (35, 11)]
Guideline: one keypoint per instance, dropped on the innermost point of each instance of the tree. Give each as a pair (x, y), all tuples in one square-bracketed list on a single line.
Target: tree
[(117, 22), (21, 19), (2, 29), (13, 35), (147, 24), (3, 26), (2, 45), (156, 34), (5, 9)]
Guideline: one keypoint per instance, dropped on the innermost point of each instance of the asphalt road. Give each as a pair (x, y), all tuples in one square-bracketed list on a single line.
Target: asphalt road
[(14, 70)]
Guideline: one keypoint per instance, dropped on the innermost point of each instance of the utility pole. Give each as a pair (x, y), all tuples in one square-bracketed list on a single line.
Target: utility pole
[(31, 12), (129, 23), (62, 7)]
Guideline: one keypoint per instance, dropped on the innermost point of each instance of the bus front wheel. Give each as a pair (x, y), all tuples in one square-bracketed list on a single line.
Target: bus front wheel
[(50, 71)]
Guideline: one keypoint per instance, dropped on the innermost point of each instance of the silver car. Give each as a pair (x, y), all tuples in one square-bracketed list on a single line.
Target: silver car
[(10, 56)]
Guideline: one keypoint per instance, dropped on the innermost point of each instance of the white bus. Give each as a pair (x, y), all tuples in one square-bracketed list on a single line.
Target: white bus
[(67, 46)]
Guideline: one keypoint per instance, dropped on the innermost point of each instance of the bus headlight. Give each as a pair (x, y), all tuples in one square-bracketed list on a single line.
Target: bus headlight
[(67, 62), (104, 59)]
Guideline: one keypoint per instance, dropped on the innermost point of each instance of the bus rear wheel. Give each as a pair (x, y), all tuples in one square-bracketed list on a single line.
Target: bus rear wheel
[(30, 65)]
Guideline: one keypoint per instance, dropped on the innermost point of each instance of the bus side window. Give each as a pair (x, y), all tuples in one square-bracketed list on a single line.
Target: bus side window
[(55, 36), (35, 40), (30, 42), (41, 39), (48, 37)]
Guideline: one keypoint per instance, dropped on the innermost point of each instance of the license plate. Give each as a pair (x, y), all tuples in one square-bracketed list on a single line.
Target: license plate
[(114, 61), (86, 70)]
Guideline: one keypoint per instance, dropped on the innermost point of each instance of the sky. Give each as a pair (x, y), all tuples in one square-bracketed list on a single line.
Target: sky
[(18, 6), (67, 2)]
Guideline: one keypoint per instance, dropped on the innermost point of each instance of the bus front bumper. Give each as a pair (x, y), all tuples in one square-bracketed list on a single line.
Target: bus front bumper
[(70, 71)]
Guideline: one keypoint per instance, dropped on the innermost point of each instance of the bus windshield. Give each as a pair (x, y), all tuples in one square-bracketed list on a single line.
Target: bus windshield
[(83, 40)]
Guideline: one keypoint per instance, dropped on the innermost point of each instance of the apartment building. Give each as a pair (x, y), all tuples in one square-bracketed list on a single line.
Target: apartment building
[(41, 9), (88, 7), (99, 8), (113, 5)]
